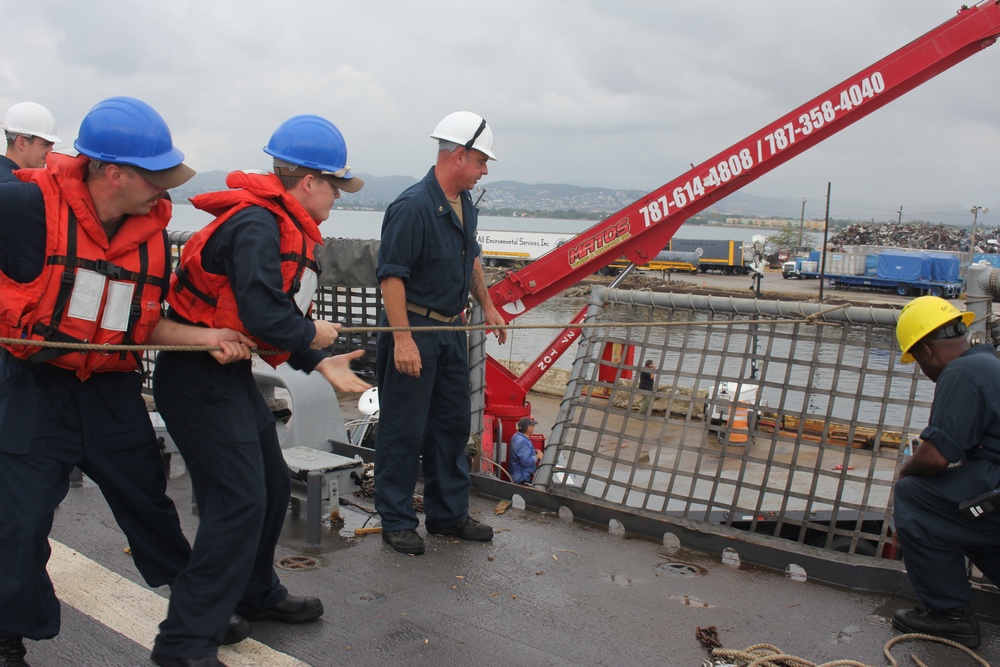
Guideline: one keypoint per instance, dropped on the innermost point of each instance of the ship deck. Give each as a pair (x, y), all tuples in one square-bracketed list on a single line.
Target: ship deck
[(548, 590)]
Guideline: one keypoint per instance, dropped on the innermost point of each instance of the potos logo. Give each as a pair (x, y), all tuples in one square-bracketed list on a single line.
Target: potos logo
[(599, 243)]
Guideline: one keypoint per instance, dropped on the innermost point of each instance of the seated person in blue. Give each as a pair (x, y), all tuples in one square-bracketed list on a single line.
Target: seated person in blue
[(524, 458)]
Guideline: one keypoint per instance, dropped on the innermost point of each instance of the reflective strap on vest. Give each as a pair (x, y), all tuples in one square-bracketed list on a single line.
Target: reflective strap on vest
[(184, 283)]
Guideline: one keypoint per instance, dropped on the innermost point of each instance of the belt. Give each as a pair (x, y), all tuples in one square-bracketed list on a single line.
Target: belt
[(427, 312)]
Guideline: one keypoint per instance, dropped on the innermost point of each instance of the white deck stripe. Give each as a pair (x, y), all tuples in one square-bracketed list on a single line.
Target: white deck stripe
[(134, 611)]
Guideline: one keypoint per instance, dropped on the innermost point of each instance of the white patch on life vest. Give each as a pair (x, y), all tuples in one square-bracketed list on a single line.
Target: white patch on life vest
[(307, 290), (117, 307), (85, 302)]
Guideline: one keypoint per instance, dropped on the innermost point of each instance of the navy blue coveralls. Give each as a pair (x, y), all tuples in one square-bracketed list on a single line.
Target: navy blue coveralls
[(226, 434), (425, 244), (50, 422), (935, 537), (7, 169)]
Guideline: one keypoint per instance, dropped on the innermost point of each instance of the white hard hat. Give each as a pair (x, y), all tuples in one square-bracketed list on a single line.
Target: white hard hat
[(466, 129), (368, 403), (30, 118)]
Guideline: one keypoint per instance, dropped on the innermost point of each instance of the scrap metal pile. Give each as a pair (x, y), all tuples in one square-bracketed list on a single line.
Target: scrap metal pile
[(917, 236)]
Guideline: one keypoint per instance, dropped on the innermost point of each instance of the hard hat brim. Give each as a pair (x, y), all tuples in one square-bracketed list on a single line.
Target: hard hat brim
[(41, 135), (488, 153), (352, 184), (344, 179), (167, 178)]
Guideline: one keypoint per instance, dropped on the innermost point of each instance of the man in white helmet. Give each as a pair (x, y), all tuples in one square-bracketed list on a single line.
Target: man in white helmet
[(428, 264), (31, 133)]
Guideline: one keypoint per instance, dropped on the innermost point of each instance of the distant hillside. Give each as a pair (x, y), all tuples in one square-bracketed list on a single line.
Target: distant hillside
[(378, 192), (511, 196), (559, 200)]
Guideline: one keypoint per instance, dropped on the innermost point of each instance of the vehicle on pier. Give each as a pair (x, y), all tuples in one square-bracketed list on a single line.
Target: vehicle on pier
[(507, 249), (946, 290), (727, 257), (802, 267), (905, 272)]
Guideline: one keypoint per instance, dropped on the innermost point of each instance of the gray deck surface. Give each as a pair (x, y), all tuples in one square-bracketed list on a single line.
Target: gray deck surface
[(546, 591)]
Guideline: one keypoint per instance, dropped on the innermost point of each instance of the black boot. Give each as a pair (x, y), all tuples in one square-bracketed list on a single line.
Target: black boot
[(237, 629), (405, 541), (466, 529), (293, 609), (12, 652), (958, 625), (167, 661)]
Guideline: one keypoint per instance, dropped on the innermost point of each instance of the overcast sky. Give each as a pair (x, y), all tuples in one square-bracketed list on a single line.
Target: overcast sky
[(623, 94)]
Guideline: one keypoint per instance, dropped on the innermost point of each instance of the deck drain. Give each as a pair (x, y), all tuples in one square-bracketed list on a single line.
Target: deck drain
[(298, 563), (677, 569), (365, 597)]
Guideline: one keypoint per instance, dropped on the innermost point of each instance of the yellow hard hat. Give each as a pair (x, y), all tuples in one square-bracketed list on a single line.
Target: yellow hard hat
[(922, 316)]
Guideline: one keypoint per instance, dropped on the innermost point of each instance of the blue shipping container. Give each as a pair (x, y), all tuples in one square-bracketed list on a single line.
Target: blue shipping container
[(944, 268), (992, 258), (917, 266), (896, 265)]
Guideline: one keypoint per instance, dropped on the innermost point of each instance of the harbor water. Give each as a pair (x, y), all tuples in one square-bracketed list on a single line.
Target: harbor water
[(368, 224), (526, 344)]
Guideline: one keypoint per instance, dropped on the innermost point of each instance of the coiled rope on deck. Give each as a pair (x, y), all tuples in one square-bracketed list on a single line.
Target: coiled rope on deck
[(940, 640), (766, 655), (94, 347)]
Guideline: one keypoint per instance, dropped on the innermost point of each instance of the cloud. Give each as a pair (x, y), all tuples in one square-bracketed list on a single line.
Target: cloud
[(624, 94)]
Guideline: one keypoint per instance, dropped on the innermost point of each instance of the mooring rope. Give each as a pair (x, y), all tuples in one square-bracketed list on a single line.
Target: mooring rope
[(940, 640), (94, 347), (766, 655)]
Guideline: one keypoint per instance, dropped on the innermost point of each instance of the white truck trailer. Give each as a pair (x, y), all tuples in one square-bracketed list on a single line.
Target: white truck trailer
[(508, 249)]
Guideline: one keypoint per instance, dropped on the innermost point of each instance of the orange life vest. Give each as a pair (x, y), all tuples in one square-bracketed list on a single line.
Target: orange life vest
[(91, 289), (207, 298)]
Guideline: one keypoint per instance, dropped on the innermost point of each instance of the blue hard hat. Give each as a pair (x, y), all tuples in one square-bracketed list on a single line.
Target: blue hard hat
[(310, 141), (127, 131)]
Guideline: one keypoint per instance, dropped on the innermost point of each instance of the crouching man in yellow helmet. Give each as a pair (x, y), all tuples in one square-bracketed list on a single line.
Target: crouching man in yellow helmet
[(957, 460)]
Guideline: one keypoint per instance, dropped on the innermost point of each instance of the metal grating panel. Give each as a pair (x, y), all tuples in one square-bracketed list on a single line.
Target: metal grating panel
[(831, 407)]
